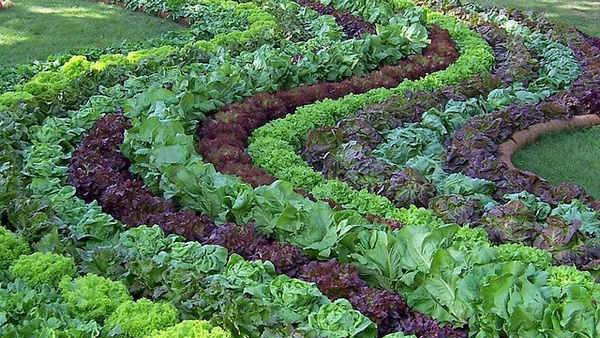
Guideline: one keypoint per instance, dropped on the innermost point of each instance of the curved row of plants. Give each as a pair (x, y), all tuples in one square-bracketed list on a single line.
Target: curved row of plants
[(492, 263), (16, 121), (196, 281), (52, 92), (223, 138), (82, 224), (160, 149), (124, 197), (567, 216), (47, 283), (403, 158), (394, 301), (303, 176), (570, 213), (225, 26), (205, 20), (187, 178), (76, 237)]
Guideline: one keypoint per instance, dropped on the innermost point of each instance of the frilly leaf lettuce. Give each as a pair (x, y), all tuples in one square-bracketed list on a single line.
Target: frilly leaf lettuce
[(42, 268), (92, 296), (191, 329), (140, 318), (11, 247)]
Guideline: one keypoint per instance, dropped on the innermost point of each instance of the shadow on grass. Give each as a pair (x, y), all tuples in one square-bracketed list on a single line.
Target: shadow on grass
[(35, 30), (570, 156), (585, 14)]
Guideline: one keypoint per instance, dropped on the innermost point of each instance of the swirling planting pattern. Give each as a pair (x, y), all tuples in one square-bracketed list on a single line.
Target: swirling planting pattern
[(300, 169)]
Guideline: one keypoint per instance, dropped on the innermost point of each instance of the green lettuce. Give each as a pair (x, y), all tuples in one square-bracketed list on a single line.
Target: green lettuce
[(339, 320)]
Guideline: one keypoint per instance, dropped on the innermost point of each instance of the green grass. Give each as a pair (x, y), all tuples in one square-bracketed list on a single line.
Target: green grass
[(35, 29), (565, 157), (585, 14)]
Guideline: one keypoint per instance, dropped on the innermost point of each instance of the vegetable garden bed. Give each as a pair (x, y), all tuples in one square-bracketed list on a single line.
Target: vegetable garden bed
[(299, 169)]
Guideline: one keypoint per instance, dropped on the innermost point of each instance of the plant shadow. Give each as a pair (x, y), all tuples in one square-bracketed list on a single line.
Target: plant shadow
[(34, 30)]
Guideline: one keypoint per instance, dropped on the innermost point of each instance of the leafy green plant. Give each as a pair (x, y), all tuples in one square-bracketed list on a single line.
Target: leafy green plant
[(39, 311), (93, 297), (191, 329), (43, 268), (140, 318), (449, 278), (338, 320), (11, 248)]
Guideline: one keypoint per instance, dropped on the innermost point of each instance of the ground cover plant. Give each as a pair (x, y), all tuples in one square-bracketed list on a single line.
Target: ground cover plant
[(298, 169)]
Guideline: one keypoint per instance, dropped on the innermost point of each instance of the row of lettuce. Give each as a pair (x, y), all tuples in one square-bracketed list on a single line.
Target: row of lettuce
[(44, 296), (428, 276), (85, 228), (73, 83), (288, 166), (404, 161), (283, 162), (410, 269), (206, 21), (234, 27), (130, 210), (275, 145), (90, 305), (19, 120)]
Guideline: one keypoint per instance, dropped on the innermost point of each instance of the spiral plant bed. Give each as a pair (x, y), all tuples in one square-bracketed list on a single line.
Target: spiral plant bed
[(297, 168)]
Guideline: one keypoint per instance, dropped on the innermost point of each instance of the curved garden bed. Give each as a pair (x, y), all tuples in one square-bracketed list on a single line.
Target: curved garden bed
[(105, 182)]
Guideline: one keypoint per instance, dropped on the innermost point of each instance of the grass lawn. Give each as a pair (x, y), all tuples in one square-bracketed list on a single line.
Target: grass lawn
[(569, 156), (585, 14), (35, 29)]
